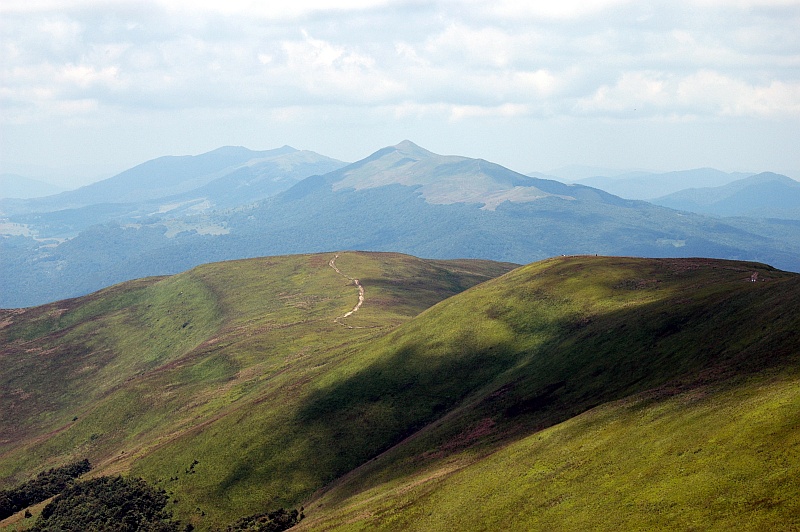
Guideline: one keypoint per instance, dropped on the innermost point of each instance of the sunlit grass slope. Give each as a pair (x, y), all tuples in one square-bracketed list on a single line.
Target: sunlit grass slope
[(713, 458), (62, 361), (497, 364), (253, 395), (148, 374)]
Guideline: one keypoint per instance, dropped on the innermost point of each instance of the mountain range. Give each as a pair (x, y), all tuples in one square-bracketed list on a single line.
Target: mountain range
[(226, 177), (385, 392), (649, 185), (174, 213), (765, 195)]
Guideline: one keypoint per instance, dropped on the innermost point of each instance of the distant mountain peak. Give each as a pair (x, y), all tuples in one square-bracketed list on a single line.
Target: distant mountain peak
[(404, 144), (241, 151), (764, 195), (444, 179), (408, 148), (767, 177)]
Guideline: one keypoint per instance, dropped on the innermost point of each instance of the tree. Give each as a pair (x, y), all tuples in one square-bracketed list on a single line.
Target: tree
[(108, 504)]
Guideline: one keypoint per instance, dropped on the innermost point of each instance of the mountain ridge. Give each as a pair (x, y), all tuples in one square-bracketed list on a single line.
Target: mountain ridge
[(649, 185), (169, 177), (764, 195), (400, 198), (447, 369), (21, 187), (442, 179)]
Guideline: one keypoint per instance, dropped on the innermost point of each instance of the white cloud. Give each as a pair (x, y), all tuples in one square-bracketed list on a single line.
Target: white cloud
[(269, 10), (317, 67), (633, 91), (742, 4), (233, 53), (460, 112), (272, 10), (562, 9), (85, 76), (61, 30), (458, 62), (488, 46), (711, 91), (702, 94)]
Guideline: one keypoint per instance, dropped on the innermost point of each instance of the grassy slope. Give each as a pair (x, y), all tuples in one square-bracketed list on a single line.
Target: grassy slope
[(147, 367), (280, 401), (721, 458), (63, 360), (552, 340)]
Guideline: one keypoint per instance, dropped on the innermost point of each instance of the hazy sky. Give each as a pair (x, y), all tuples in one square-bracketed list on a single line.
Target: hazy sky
[(92, 87)]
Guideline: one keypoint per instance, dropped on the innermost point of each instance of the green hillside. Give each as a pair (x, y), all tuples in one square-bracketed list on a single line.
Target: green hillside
[(148, 365), (572, 393), (558, 338), (713, 458)]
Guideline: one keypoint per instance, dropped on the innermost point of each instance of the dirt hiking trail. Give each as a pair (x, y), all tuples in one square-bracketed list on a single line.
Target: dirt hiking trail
[(356, 282)]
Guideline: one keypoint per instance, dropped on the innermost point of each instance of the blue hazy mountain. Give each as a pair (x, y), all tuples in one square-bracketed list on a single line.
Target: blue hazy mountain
[(647, 185), (401, 198), (217, 177), (17, 186), (575, 172), (765, 195), (174, 186)]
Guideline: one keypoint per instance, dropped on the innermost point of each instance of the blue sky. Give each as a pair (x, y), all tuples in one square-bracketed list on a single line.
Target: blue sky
[(89, 87)]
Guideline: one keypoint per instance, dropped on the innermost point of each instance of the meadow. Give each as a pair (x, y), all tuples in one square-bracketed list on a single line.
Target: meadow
[(576, 392)]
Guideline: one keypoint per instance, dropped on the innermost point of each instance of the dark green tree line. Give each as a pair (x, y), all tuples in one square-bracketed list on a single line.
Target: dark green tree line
[(45, 485)]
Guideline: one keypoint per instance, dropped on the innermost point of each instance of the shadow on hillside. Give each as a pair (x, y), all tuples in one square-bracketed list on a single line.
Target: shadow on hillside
[(513, 392)]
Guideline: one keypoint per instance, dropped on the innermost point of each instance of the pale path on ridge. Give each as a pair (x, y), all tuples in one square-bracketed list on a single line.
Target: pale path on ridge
[(332, 264)]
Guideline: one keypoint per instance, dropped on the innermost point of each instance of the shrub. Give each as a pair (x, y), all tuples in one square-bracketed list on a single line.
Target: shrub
[(108, 504), (45, 485), (276, 521)]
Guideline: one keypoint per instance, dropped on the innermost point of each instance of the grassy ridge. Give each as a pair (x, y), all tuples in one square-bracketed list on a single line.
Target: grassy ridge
[(253, 396), (258, 455), (156, 364), (549, 341), (525, 351)]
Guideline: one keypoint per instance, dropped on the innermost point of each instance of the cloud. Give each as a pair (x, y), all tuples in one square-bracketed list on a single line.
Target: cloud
[(702, 94), (563, 9), (453, 61), (333, 72), (268, 10), (460, 112), (84, 76), (487, 46), (732, 97), (538, 54)]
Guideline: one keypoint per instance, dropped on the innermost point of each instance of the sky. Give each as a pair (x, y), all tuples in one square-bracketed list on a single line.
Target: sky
[(89, 88)]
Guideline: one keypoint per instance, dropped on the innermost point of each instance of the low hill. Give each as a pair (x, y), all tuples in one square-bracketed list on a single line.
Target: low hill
[(247, 386), (765, 195)]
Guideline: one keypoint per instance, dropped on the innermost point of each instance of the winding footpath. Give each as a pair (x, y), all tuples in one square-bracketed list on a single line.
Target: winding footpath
[(332, 264)]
